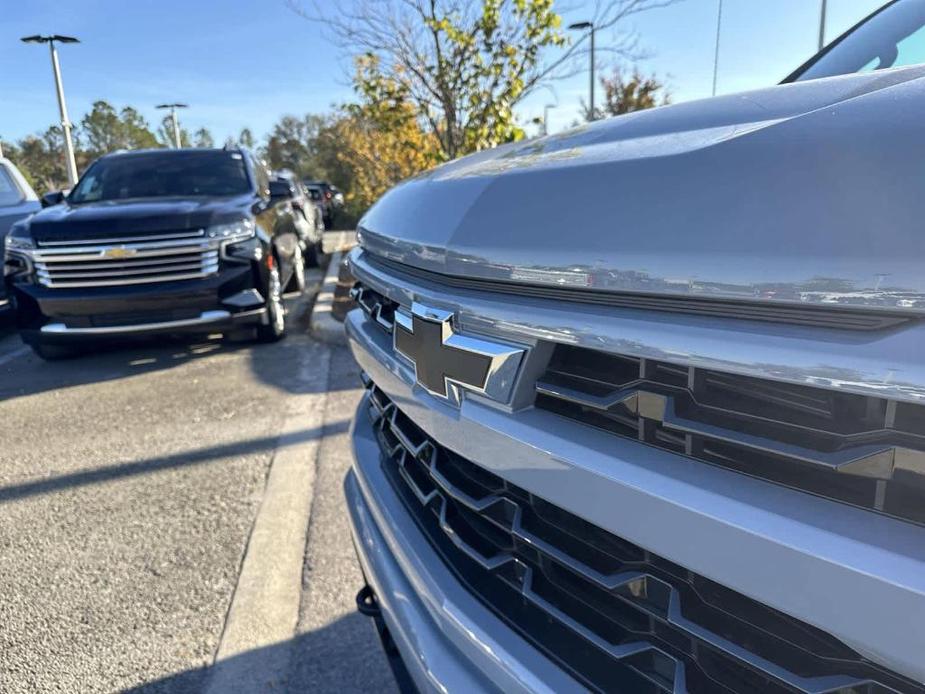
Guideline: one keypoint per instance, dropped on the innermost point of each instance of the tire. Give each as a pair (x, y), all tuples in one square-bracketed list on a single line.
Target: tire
[(315, 256), (50, 352), (297, 283), (275, 329)]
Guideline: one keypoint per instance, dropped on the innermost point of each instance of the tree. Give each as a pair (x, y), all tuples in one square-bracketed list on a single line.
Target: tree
[(246, 138), (203, 138), (104, 130), (378, 141), (165, 134), (623, 95), (41, 159), (465, 65)]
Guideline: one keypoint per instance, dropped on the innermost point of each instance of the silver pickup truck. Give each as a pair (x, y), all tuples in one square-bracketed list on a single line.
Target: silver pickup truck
[(670, 439)]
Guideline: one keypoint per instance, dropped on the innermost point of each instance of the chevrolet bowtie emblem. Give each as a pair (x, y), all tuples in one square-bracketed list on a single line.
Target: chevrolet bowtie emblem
[(445, 360), (119, 252)]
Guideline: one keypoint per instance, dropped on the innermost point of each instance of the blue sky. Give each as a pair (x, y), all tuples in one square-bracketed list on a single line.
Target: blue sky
[(246, 62)]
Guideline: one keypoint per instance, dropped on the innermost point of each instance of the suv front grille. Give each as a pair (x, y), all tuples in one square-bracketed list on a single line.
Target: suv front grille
[(125, 260), (862, 450), (618, 617)]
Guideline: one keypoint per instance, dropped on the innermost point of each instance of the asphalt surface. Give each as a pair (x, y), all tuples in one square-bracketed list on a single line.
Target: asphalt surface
[(130, 480)]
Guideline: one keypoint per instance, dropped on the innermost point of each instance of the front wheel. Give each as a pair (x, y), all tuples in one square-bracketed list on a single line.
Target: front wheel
[(275, 329)]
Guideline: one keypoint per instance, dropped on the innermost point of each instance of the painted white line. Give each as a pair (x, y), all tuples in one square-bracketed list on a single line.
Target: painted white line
[(15, 354), (265, 607), (323, 326)]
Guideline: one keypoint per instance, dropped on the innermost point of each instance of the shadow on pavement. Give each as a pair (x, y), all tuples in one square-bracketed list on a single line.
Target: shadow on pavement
[(335, 658), (177, 460)]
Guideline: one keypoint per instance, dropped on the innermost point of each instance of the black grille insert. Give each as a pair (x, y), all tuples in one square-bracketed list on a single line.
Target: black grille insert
[(379, 308), (616, 616), (862, 450)]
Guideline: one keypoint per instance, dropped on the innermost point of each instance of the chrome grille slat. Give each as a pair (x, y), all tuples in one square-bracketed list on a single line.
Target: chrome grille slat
[(199, 233), (805, 659), (143, 262), (126, 260)]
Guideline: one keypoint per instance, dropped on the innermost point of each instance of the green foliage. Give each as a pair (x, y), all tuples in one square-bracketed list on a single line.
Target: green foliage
[(462, 66), (104, 130), (624, 95)]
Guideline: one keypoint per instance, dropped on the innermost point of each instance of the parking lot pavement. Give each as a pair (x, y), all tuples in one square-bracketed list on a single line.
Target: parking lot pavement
[(130, 480)]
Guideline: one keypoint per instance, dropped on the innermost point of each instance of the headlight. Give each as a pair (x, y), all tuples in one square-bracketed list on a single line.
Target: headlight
[(239, 240), (19, 243), (233, 231)]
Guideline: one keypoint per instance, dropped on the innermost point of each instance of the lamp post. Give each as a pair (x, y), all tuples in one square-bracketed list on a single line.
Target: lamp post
[(719, 24), (546, 117), (70, 164), (579, 26), (822, 25), (176, 123)]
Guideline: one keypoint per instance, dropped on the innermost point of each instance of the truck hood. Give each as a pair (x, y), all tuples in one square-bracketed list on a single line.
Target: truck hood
[(134, 217), (812, 192)]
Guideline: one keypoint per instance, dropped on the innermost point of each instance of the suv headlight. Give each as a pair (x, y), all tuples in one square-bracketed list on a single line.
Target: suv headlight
[(238, 240), (19, 243), (233, 231)]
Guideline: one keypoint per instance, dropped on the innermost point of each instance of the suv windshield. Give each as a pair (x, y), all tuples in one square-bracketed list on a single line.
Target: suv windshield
[(892, 37), (10, 194), (170, 173)]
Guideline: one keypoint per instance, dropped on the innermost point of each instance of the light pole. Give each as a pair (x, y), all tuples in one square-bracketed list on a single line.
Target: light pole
[(590, 26), (719, 23), (69, 162), (546, 117), (822, 25), (176, 123)]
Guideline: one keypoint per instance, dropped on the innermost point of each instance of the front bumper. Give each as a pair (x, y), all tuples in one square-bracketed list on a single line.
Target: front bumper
[(447, 639), (219, 302)]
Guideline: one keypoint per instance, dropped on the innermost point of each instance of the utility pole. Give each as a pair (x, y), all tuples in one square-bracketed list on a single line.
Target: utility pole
[(545, 118), (176, 123), (70, 164), (590, 26), (822, 25), (719, 23)]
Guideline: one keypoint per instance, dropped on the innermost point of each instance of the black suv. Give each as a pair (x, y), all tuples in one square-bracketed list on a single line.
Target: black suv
[(155, 241)]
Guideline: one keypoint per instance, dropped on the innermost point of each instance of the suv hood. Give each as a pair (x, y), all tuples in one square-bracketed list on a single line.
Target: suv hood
[(134, 217), (812, 192)]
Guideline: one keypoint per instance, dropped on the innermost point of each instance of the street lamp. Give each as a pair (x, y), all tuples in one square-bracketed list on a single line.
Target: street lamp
[(176, 123), (822, 25), (69, 162), (546, 117), (580, 26), (719, 25)]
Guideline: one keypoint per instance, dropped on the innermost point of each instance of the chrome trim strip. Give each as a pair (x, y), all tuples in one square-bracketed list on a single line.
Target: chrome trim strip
[(886, 364), (205, 318), (199, 233), (143, 280)]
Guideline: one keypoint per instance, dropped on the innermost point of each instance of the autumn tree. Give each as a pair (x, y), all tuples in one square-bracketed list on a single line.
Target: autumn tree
[(380, 140), (624, 94), (464, 64)]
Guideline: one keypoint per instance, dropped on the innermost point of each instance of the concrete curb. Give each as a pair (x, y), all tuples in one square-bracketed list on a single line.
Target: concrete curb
[(323, 326)]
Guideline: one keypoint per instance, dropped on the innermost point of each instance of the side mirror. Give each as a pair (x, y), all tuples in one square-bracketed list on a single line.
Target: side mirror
[(55, 197), (279, 191)]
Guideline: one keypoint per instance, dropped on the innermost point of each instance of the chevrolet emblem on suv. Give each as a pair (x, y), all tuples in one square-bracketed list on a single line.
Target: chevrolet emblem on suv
[(119, 252), (445, 360)]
